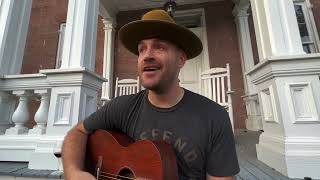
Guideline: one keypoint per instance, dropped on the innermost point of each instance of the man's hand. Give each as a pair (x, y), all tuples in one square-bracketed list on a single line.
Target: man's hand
[(81, 175)]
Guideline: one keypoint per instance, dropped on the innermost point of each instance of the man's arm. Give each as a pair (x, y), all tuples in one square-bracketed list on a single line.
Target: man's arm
[(73, 154), (220, 178)]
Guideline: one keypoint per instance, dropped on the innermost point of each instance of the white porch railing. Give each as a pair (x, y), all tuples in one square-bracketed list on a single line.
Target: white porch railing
[(17, 141), (57, 113)]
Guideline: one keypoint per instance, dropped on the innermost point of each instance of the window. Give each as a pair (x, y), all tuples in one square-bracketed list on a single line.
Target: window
[(60, 45), (307, 27)]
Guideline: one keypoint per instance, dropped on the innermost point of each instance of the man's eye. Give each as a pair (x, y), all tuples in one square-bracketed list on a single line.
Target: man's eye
[(140, 50), (159, 47)]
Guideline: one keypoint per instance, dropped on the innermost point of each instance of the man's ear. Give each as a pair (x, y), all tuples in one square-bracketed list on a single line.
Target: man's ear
[(182, 58)]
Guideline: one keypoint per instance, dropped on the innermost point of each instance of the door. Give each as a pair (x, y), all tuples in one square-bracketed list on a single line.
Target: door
[(189, 74)]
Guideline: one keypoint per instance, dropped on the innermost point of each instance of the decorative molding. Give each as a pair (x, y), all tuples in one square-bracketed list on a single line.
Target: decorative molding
[(63, 108), (269, 105), (241, 8), (286, 66), (285, 73), (90, 105), (108, 25), (24, 82), (301, 103), (74, 77)]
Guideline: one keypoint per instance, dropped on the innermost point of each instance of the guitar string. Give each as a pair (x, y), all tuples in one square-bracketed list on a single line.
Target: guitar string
[(110, 177), (106, 177), (110, 174)]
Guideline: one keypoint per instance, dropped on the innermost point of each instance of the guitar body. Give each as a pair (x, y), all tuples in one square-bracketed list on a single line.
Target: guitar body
[(117, 156)]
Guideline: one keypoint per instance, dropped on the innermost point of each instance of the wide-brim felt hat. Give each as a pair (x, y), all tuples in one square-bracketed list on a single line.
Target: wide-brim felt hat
[(159, 24)]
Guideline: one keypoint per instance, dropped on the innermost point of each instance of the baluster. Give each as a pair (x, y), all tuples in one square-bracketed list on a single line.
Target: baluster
[(218, 91), (210, 88), (41, 115), (223, 91), (7, 107), (21, 115), (214, 89)]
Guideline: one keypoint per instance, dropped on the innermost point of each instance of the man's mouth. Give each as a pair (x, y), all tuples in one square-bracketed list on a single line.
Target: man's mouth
[(151, 68)]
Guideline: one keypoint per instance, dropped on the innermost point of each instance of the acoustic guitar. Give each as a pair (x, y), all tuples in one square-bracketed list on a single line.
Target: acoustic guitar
[(114, 155)]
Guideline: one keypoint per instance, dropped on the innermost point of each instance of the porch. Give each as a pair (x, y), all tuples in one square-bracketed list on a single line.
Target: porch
[(250, 167), (283, 84)]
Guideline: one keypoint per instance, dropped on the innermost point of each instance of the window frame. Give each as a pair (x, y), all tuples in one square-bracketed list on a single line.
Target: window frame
[(61, 32), (310, 23)]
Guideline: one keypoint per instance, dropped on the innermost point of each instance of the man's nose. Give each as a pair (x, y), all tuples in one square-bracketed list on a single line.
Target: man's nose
[(149, 54)]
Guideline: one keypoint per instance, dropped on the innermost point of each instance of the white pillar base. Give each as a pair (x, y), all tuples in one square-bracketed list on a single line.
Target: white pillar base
[(289, 99), (254, 120), (17, 147), (295, 157), (3, 128), (254, 123), (17, 130), (37, 130), (44, 152)]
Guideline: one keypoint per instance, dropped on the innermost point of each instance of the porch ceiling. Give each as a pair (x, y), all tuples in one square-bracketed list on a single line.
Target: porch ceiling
[(125, 5)]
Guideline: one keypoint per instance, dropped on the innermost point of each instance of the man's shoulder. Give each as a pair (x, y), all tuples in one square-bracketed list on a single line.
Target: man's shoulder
[(203, 102), (128, 99)]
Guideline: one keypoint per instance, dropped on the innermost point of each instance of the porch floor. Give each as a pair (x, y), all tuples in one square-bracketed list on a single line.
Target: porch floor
[(251, 168)]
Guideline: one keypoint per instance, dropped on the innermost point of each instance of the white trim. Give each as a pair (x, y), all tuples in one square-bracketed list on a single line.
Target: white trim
[(310, 22), (201, 13), (308, 106), (62, 31), (108, 59)]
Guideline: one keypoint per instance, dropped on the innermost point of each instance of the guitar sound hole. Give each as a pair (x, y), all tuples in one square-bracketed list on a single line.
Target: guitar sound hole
[(125, 174)]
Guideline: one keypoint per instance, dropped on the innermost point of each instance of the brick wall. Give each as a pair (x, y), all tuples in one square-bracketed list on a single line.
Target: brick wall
[(42, 40), (43, 36)]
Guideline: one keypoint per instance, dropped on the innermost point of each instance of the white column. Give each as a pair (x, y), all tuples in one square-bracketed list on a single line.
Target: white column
[(21, 115), (247, 62), (288, 85), (240, 11), (276, 28), (80, 37), (14, 21), (74, 86), (108, 58), (41, 115)]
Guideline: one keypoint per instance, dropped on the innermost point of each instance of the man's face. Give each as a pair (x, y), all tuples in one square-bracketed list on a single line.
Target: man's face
[(159, 64)]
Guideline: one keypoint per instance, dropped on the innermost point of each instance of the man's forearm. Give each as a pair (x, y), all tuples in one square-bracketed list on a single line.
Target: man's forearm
[(73, 151)]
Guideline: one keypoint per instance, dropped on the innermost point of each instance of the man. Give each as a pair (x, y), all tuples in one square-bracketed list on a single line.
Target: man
[(197, 128)]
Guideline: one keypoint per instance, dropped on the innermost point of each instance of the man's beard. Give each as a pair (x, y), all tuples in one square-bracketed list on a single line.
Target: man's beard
[(161, 86)]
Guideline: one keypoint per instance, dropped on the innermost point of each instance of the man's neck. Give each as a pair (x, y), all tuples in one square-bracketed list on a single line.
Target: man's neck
[(167, 99)]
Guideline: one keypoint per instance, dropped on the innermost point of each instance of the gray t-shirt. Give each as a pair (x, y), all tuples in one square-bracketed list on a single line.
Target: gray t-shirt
[(197, 128)]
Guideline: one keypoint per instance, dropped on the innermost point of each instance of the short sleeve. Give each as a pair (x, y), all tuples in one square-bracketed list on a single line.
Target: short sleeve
[(222, 158), (107, 117)]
